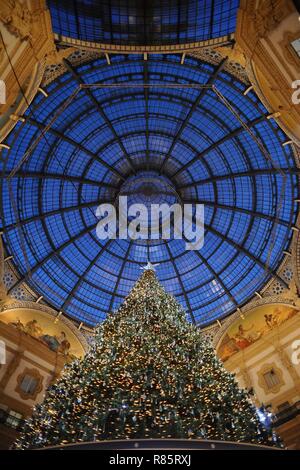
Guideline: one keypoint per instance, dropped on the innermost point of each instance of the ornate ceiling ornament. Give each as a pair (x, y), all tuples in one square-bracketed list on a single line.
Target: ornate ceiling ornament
[(17, 18)]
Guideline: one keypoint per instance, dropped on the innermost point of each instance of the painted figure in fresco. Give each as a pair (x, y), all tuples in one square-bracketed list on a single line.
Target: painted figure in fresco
[(57, 344), (228, 349), (273, 319), (18, 324), (279, 316), (291, 313), (268, 320), (64, 344), (33, 329), (240, 338), (50, 341), (264, 323)]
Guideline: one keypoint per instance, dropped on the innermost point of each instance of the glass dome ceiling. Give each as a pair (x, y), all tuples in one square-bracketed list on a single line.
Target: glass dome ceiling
[(136, 22), (167, 140)]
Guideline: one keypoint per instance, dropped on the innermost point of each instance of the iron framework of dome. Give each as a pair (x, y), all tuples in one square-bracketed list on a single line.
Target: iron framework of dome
[(136, 22), (168, 140)]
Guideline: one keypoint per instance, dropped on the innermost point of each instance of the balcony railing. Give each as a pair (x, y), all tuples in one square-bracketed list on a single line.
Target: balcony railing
[(287, 414)]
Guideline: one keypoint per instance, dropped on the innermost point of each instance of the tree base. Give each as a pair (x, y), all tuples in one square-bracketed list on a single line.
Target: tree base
[(161, 444)]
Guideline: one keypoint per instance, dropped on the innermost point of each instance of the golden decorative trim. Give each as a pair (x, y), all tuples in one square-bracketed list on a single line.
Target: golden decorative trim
[(27, 27), (261, 380), (269, 62), (130, 49), (17, 18), (287, 364), (290, 54), (234, 54), (244, 371), (39, 387)]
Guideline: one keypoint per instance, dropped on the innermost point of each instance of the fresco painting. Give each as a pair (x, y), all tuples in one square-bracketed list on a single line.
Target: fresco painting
[(54, 334), (258, 323)]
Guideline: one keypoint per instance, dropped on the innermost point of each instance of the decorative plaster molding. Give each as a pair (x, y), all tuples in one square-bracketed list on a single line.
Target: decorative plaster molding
[(257, 25), (10, 369), (287, 364), (75, 57), (32, 47), (246, 377), (261, 380), (39, 386), (289, 52), (17, 18), (132, 49), (234, 54), (269, 14), (81, 56)]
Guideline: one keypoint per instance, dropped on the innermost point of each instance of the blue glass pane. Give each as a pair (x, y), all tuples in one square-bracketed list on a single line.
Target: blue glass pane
[(160, 144), (138, 22)]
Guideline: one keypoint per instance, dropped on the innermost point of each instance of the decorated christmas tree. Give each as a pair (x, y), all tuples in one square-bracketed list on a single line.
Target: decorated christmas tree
[(149, 375)]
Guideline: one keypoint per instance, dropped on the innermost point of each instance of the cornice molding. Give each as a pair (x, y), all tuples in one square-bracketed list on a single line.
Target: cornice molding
[(132, 49)]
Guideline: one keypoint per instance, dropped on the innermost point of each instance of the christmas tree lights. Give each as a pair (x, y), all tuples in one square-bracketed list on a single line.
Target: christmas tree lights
[(149, 375)]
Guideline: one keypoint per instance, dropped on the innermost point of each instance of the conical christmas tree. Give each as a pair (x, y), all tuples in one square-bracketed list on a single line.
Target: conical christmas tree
[(149, 375)]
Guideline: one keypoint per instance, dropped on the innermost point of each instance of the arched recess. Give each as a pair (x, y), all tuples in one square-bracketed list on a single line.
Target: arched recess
[(46, 326), (264, 306)]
